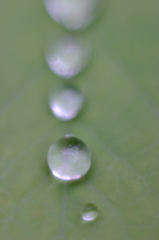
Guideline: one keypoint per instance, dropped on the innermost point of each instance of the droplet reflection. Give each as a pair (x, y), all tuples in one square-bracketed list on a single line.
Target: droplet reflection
[(73, 14), (66, 102), (89, 212), (69, 159), (68, 57)]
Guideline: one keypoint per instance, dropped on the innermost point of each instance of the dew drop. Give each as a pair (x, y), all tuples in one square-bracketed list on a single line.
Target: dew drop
[(89, 212), (67, 135), (68, 57), (66, 102), (73, 14), (69, 159)]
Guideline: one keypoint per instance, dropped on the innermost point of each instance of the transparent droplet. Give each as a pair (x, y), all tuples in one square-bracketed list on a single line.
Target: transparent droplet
[(73, 14), (89, 212), (69, 159), (66, 102), (68, 57), (67, 135)]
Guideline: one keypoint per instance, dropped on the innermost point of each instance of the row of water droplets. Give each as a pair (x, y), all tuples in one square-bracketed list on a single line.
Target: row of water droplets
[(69, 159)]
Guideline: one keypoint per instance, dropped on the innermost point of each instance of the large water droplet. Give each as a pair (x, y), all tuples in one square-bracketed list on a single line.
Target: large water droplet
[(66, 102), (69, 159), (68, 57), (73, 14), (89, 212)]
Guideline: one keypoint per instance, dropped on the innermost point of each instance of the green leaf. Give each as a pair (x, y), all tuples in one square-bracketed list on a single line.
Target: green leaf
[(119, 124)]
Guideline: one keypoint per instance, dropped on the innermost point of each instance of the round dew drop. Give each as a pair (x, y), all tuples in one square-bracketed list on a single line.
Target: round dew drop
[(69, 159), (66, 102), (68, 57), (73, 14), (89, 212)]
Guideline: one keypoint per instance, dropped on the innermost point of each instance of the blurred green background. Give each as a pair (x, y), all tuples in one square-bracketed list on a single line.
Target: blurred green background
[(120, 124)]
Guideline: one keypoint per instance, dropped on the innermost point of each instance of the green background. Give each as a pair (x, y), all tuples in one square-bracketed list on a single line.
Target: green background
[(120, 124)]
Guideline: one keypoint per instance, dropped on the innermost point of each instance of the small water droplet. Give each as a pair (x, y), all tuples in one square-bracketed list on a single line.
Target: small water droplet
[(69, 159), (67, 135), (89, 212), (68, 57), (73, 14), (66, 102)]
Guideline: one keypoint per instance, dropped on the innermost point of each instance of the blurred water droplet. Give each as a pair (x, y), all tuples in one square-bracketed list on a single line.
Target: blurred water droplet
[(69, 159), (68, 57), (66, 102), (73, 14), (67, 135), (89, 212)]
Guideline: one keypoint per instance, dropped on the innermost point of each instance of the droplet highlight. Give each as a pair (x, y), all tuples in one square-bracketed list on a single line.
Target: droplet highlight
[(68, 57), (89, 212), (66, 102), (69, 159), (73, 14)]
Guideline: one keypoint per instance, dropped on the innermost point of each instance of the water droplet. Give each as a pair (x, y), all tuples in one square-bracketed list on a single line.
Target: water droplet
[(67, 135), (68, 57), (89, 212), (73, 14), (69, 159), (66, 102)]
